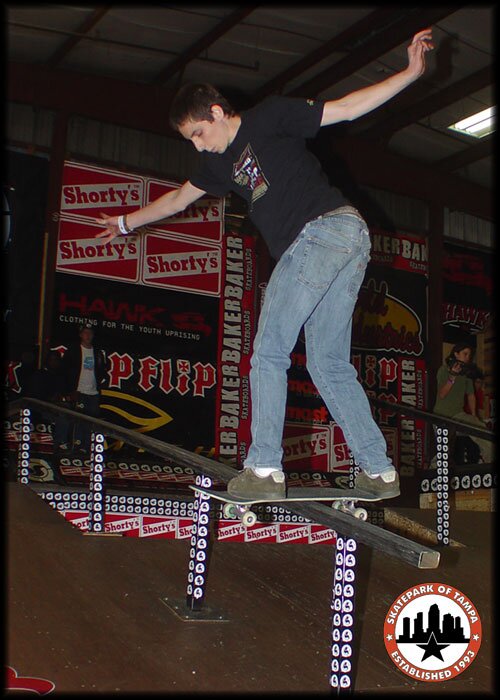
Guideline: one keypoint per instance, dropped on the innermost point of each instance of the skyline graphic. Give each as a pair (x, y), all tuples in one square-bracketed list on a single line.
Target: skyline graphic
[(450, 631)]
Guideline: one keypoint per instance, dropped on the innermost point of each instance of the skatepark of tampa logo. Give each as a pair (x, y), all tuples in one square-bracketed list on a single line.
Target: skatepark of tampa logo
[(432, 632)]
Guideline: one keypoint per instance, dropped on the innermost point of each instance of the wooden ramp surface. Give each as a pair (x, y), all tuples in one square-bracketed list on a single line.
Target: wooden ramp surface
[(85, 612)]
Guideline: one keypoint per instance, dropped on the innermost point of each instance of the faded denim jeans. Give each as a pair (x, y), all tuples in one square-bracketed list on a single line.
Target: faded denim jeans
[(315, 284)]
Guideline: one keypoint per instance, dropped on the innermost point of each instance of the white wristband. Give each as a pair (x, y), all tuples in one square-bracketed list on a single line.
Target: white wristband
[(121, 225)]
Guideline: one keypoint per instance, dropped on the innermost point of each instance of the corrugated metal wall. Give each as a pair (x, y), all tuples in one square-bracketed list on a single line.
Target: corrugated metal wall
[(469, 229), (133, 148), (175, 159), (404, 213), (29, 125)]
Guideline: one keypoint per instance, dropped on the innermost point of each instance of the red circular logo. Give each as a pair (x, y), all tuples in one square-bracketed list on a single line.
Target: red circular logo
[(432, 632)]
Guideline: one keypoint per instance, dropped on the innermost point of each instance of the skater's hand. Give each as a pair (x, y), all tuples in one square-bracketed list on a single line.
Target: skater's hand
[(421, 43), (111, 224)]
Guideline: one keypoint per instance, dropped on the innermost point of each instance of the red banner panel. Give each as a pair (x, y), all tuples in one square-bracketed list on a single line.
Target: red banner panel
[(181, 264), (89, 190), (80, 252), (207, 211)]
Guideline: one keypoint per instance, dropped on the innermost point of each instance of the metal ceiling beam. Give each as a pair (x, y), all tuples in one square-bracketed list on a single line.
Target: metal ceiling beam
[(203, 43), (374, 21), (376, 167), (375, 46), (143, 107), (431, 104), (83, 28), (466, 156)]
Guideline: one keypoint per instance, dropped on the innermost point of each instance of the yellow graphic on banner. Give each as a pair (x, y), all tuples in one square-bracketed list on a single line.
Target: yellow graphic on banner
[(147, 423)]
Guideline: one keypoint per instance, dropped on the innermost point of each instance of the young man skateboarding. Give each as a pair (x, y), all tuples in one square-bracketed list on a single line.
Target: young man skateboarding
[(321, 245)]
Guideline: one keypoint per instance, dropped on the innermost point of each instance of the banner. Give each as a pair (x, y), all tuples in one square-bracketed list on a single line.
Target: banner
[(161, 353), (236, 333), (172, 307), (467, 292)]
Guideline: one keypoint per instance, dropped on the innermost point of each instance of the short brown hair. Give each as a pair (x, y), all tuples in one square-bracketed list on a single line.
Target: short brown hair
[(194, 102)]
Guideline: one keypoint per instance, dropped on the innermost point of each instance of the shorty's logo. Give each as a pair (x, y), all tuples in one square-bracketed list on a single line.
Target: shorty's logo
[(181, 264), (432, 632), (90, 249), (116, 194), (248, 173)]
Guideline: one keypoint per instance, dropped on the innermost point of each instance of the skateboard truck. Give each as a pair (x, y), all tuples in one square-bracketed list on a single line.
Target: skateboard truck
[(249, 518)]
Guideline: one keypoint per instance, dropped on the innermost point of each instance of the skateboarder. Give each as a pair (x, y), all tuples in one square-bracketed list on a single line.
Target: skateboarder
[(321, 245)]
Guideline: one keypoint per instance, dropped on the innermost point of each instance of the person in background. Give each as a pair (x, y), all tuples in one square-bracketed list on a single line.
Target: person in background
[(84, 370), (453, 384), (477, 376)]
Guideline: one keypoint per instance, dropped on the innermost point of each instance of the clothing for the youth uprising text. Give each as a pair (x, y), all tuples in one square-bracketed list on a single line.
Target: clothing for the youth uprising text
[(269, 165)]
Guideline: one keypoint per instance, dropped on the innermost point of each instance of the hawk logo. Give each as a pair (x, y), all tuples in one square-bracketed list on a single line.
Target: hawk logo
[(248, 173)]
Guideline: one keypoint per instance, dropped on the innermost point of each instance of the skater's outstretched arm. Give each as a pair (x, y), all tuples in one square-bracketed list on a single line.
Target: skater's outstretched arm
[(360, 102), (167, 205)]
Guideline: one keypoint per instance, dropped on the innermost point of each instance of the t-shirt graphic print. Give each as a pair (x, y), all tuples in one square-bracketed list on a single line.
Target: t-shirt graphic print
[(248, 173)]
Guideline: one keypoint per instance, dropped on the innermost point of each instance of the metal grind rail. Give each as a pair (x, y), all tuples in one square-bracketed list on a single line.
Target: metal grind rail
[(443, 427), (349, 531)]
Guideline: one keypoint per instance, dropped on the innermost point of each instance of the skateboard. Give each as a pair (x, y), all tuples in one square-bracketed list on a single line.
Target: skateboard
[(342, 499)]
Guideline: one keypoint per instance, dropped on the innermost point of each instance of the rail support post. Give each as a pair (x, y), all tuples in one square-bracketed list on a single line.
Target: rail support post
[(23, 454), (442, 492), (193, 608), (343, 600), (97, 496), (198, 554)]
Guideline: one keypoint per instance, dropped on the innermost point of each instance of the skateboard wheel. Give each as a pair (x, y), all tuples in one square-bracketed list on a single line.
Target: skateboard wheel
[(360, 513), (229, 511), (337, 505), (249, 518)]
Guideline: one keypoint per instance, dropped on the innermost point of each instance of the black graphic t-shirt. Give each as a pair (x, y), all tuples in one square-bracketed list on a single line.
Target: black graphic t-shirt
[(269, 165)]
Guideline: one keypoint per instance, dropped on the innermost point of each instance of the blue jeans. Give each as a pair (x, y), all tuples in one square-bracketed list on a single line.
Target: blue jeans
[(88, 404), (315, 284)]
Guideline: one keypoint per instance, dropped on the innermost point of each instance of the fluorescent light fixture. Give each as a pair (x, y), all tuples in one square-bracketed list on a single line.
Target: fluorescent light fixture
[(478, 125)]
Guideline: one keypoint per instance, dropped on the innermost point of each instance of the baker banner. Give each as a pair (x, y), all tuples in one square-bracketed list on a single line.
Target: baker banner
[(172, 307), (389, 335)]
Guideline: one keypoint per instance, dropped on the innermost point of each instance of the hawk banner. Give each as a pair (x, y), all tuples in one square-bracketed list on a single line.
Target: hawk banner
[(467, 292), (161, 353)]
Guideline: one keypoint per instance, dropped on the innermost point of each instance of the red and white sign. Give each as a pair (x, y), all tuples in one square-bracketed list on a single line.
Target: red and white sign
[(400, 251), (432, 632), (88, 190), (173, 527), (180, 264), (80, 252), (207, 211), (313, 447)]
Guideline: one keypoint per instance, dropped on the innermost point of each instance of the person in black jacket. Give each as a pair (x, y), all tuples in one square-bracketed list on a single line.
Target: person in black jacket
[(84, 370)]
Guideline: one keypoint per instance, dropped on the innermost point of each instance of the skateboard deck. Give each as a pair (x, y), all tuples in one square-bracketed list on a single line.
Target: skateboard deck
[(343, 499), (306, 493)]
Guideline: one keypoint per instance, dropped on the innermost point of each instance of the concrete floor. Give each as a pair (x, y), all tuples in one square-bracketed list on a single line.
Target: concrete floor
[(86, 612)]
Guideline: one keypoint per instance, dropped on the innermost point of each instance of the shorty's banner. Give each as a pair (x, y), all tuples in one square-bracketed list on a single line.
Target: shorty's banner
[(172, 307), (206, 211)]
